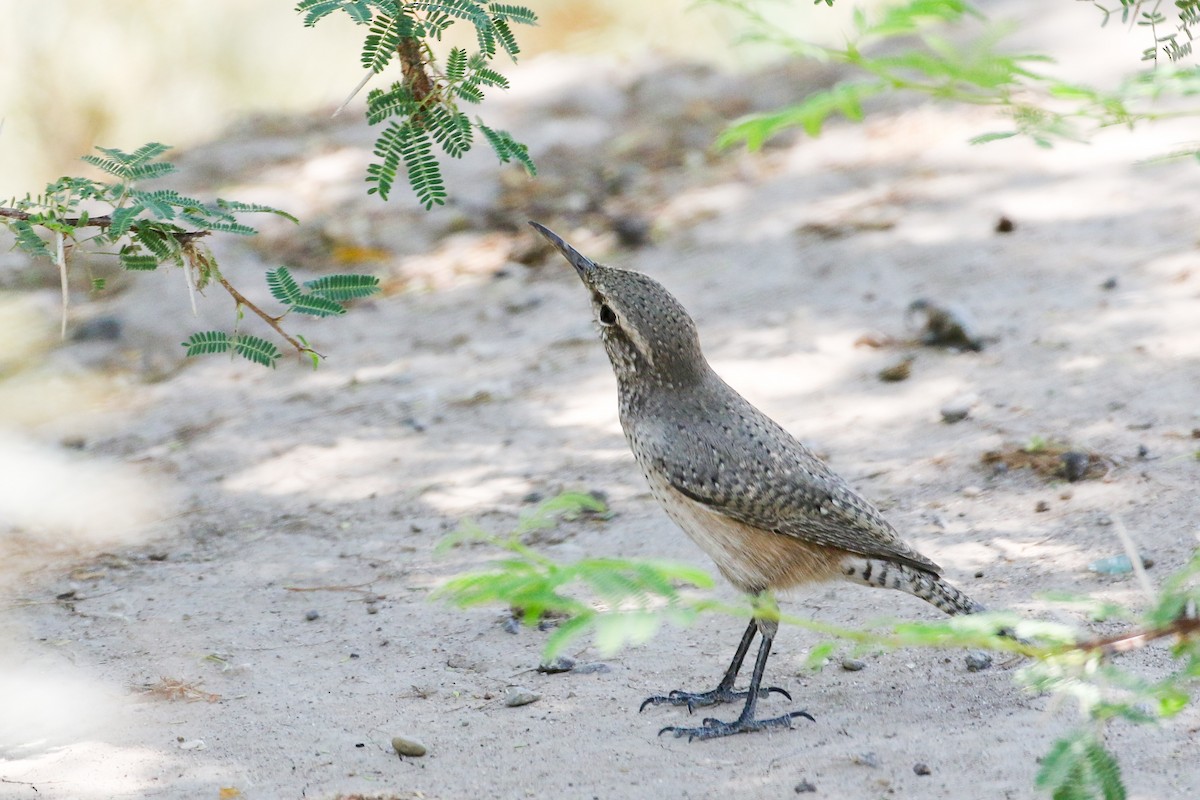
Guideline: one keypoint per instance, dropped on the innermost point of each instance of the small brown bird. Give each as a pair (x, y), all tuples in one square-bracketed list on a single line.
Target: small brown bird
[(768, 511)]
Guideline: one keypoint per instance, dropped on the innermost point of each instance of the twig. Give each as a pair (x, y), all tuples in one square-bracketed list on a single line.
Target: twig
[(1135, 558), (1126, 642), (241, 300), (103, 221), (60, 258)]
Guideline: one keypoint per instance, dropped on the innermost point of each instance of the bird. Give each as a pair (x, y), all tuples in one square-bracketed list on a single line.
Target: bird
[(769, 513)]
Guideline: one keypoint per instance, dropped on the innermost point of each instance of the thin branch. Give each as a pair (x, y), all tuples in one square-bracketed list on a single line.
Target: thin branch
[(1126, 642), (183, 237), (241, 300)]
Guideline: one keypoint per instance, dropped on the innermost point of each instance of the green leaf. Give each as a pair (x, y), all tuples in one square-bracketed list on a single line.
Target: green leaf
[(208, 342), (507, 148), (344, 287), (456, 64), (282, 285), (255, 349), (317, 306), (984, 138), (136, 259), (122, 220), (810, 114), (28, 240), (819, 655)]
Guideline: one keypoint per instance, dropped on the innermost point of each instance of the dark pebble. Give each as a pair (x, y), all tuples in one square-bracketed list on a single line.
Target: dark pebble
[(1143, 451), (1109, 284), (853, 664), (556, 665), (1075, 465), (978, 661), (922, 769), (1005, 225), (804, 787), (631, 230), (533, 497), (1041, 506), (511, 624), (979, 573), (311, 615)]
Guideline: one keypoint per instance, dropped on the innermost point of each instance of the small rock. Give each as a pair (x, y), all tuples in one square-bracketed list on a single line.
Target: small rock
[(311, 615), (193, 744), (1041, 507), (1143, 451), (804, 787), (1116, 565), (971, 491), (866, 759), (1005, 225), (520, 696), (511, 624), (978, 660), (941, 326), (978, 573), (921, 768), (632, 230), (556, 665), (408, 747), (1109, 284), (957, 409), (1075, 465), (853, 664), (900, 371), (98, 329)]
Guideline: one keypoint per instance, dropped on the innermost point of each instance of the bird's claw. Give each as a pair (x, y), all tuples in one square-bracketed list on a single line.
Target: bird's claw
[(711, 728), (694, 700)]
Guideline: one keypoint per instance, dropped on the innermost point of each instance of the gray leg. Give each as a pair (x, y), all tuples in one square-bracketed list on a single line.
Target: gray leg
[(713, 728)]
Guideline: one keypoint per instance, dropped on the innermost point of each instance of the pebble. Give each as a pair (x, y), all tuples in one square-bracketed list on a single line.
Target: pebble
[(853, 664), (900, 371), (1041, 507), (408, 747), (193, 744), (804, 787), (866, 759), (971, 491), (978, 660), (922, 768), (1075, 465), (556, 665), (311, 615), (958, 409), (520, 696)]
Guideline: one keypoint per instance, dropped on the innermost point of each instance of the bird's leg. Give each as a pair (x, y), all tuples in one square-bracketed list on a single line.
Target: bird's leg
[(724, 693), (713, 728)]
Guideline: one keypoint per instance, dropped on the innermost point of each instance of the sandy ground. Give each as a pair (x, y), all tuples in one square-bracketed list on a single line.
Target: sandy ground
[(170, 526)]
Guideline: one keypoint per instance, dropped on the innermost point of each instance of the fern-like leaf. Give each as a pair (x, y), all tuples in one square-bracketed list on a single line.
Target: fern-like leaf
[(159, 241), (395, 102), (424, 172), (379, 46), (136, 259), (28, 240), (469, 92), (510, 13), (282, 285), (317, 306), (507, 40), (450, 129), (507, 148), (315, 10), (344, 286), (256, 349), (456, 64), (208, 342), (122, 220)]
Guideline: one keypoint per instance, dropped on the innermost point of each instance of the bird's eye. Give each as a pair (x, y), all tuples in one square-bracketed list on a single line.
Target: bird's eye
[(607, 317)]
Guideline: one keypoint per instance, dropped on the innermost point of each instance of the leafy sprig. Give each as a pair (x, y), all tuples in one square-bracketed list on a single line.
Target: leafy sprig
[(149, 228), (921, 57), (424, 107)]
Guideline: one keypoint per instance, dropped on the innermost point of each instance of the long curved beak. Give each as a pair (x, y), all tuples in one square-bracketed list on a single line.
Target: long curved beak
[(582, 264)]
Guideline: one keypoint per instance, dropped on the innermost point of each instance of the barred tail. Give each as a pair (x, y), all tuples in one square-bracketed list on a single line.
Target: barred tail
[(925, 585)]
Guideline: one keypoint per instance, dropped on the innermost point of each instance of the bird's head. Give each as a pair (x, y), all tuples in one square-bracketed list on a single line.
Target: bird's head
[(645, 330)]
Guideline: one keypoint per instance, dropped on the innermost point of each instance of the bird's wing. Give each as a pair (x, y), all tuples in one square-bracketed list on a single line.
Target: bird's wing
[(758, 474)]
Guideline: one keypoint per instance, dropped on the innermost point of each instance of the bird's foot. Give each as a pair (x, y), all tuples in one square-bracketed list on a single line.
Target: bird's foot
[(694, 700), (714, 728)]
